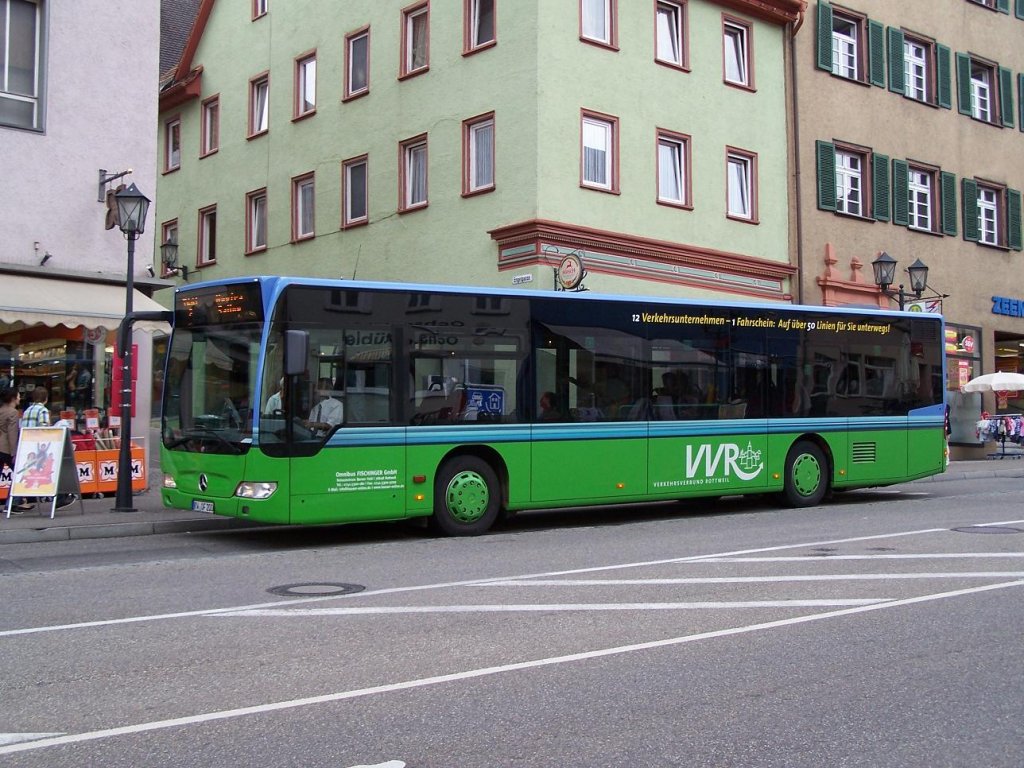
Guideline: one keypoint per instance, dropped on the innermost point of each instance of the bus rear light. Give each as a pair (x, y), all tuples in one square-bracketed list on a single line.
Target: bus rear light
[(419, 478), (419, 497), (169, 482), (620, 486), (246, 490)]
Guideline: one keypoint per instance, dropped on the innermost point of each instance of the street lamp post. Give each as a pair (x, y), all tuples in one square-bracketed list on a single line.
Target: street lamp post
[(885, 275), (132, 207)]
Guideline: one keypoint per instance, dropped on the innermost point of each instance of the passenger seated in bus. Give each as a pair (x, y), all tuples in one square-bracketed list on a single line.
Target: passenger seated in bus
[(548, 410), (328, 412), (274, 404)]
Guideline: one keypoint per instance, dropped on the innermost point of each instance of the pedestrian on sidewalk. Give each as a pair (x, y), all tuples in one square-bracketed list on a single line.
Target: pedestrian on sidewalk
[(9, 418), (35, 415)]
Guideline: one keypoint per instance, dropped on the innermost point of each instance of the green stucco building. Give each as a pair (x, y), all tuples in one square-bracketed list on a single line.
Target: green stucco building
[(480, 142)]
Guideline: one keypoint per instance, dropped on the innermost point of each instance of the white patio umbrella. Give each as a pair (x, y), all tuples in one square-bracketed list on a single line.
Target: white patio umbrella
[(1000, 381)]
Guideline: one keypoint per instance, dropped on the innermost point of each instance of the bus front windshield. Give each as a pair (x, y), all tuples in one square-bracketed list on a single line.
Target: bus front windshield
[(208, 392)]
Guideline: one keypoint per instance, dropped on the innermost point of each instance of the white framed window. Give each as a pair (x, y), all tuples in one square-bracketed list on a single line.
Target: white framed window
[(741, 178), (597, 21), (357, 63), (415, 39), (988, 216), (354, 204), (305, 85), (259, 8), (209, 139), (172, 144), (256, 221), (846, 42), (480, 26), (22, 63), (478, 154), (736, 52), (982, 77), (207, 251), (414, 173), (920, 199), (599, 157), (303, 207), (259, 104), (673, 168), (916, 58), (850, 182), (670, 33)]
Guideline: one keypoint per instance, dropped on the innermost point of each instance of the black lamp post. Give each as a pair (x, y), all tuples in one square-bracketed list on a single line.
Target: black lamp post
[(885, 275), (132, 207)]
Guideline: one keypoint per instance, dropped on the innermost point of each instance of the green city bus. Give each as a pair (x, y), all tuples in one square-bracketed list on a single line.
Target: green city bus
[(308, 401)]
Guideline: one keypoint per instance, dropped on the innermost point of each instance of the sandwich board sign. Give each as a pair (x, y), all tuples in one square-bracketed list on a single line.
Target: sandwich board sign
[(44, 466)]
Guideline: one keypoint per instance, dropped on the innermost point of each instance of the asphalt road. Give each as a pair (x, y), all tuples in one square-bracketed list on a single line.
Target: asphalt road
[(883, 629)]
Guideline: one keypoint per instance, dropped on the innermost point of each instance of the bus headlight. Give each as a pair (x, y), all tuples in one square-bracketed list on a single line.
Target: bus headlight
[(169, 482), (246, 490)]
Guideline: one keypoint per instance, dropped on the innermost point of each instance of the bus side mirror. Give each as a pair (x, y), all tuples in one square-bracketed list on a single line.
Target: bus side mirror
[(296, 352)]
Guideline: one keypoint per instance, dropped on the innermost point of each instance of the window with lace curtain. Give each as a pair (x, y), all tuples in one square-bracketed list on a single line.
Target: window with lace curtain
[(478, 154)]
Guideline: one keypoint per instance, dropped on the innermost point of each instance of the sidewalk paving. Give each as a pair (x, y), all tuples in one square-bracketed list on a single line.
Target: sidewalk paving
[(95, 518)]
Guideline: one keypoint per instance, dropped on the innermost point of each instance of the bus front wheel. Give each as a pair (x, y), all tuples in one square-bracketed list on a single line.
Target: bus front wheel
[(466, 497), (806, 479)]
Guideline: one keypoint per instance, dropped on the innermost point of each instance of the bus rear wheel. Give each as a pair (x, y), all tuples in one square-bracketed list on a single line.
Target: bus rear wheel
[(806, 480), (467, 497)]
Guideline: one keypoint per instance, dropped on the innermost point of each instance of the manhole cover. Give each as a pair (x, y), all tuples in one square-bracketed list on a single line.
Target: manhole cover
[(316, 589), (988, 529)]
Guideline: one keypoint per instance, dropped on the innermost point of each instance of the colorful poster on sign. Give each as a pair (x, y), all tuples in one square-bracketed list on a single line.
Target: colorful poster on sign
[(38, 460)]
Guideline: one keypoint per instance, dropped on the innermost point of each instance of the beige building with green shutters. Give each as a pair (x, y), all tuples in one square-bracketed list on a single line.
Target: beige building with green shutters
[(909, 140), (482, 142)]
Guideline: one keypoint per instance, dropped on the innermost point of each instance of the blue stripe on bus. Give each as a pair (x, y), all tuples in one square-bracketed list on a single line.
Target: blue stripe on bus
[(626, 430)]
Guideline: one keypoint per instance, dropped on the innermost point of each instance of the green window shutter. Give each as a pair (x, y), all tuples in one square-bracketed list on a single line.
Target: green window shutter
[(826, 153), (969, 193), (963, 83), (1006, 96), (897, 82), (900, 193), (948, 184), (1013, 223), (824, 36), (1004, 6), (1020, 96), (876, 53), (880, 187), (944, 89)]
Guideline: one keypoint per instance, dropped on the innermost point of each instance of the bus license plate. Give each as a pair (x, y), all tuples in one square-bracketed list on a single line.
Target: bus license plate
[(202, 506)]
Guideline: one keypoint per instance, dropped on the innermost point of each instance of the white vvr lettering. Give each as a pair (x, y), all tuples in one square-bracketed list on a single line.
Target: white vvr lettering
[(729, 456)]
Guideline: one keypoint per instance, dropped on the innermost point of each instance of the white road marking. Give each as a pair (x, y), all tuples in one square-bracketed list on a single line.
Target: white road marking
[(542, 607), (825, 557), (750, 579), (388, 764), (17, 738), (423, 682), (449, 584)]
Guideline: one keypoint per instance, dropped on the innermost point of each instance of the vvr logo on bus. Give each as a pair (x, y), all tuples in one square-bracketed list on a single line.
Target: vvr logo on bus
[(722, 462)]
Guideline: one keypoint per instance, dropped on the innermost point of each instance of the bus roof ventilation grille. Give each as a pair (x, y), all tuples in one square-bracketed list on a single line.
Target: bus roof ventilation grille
[(864, 453)]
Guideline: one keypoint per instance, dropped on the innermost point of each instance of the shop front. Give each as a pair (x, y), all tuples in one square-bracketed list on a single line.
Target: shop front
[(58, 332)]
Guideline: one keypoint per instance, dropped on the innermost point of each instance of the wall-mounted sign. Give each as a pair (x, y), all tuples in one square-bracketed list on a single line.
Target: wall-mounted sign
[(1002, 305), (520, 279), (570, 272)]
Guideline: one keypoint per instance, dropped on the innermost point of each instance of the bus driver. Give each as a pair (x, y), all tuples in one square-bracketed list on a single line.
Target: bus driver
[(328, 412)]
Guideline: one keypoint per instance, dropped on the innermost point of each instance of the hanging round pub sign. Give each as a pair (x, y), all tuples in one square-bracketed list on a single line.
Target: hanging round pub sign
[(570, 272)]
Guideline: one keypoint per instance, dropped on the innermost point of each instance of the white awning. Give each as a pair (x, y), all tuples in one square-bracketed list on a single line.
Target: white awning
[(26, 300)]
